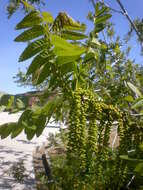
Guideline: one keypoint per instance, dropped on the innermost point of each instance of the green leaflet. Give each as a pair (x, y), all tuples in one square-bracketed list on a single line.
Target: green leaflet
[(44, 73), (40, 125), (71, 24), (60, 42), (47, 17), (10, 102), (34, 48), (95, 41), (139, 168), (27, 6), (31, 123), (65, 51), (99, 27), (30, 131), (66, 59), (77, 27), (38, 61), (102, 19), (35, 75), (69, 52), (51, 106), (134, 89), (25, 116), (16, 131), (70, 35), (53, 84), (126, 157), (14, 110), (30, 34), (100, 11), (68, 67), (91, 55), (64, 21), (20, 104), (33, 18), (6, 129), (48, 109), (129, 98), (138, 104)]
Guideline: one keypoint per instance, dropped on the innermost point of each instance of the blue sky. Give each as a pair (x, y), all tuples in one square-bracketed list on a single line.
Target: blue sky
[(78, 9)]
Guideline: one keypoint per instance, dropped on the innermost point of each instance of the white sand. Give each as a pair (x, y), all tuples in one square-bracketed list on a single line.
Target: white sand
[(14, 150)]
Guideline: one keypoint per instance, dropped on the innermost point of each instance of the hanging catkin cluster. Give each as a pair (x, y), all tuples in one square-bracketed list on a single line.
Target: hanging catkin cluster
[(90, 123)]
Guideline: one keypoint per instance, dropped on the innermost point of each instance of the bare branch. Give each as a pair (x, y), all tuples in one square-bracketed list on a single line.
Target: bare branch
[(130, 21)]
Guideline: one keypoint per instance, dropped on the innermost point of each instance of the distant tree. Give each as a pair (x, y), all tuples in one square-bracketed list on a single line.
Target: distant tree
[(14, 5)]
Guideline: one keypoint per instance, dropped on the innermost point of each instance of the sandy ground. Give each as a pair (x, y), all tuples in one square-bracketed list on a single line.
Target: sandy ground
[(19, 149)]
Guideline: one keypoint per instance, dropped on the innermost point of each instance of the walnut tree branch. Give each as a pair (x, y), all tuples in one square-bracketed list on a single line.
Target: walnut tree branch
[(130, 21)]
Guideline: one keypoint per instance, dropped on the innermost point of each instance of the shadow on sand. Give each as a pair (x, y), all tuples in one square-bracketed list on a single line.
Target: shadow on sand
[(8, 157)]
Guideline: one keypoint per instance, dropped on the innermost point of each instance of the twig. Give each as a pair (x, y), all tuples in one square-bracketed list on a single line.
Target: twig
[(102, 2), (137, 115), (112, 9), (130, 21), (133, 177), (114, 140)]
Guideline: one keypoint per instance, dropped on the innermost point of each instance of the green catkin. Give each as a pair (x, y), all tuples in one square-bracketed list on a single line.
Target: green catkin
[(77, 120), (92, 144), (90, 123)]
